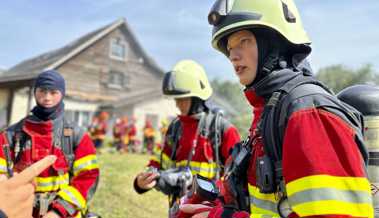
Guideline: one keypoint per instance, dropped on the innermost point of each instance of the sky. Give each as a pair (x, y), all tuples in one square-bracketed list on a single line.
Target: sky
[(342, 31)]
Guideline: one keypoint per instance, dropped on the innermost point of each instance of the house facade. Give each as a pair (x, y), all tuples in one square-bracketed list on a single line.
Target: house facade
[(106, 69)]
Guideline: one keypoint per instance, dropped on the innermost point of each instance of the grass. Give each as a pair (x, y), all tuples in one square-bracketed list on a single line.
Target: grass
[(116, 198)]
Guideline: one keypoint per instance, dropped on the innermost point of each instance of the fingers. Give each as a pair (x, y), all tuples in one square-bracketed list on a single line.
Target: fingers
[(3, 177), (201, 215), (192, 208), (34, 170), (24, 192), (151, 177)]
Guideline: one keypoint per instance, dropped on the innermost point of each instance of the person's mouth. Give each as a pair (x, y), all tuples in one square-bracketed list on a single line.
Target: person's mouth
[(239, 69)]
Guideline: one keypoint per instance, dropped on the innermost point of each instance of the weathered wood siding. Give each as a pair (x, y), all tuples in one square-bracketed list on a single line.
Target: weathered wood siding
[(89, 71), (4, 95)]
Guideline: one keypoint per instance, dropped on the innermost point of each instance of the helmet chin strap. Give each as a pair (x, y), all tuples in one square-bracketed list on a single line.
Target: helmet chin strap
[(197, 106), (270, 63)]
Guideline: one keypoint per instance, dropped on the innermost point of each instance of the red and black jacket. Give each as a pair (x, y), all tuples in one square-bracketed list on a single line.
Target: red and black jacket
[(323, 168)]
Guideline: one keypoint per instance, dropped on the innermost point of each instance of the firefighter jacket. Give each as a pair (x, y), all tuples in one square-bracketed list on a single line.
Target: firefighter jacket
[(203, 161), (132, 132), (71, 182), (99, 130), (324, 172)]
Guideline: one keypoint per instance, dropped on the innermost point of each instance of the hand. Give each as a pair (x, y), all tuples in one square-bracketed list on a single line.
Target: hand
[(51, 214), (147, 180), (199, 210), (17, 193)]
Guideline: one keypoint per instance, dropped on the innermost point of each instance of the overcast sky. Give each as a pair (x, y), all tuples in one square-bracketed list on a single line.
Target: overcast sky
[(343, 31)]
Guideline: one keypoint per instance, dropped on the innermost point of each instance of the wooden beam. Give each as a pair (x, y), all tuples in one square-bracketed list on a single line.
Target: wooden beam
[(10, 105), (30, 98)]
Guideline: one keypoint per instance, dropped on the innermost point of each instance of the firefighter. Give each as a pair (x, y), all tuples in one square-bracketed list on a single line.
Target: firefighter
[(64, 189), (118, 134), (148, 137), (193, 140), (99, 129), (305, 153), (132, 134)]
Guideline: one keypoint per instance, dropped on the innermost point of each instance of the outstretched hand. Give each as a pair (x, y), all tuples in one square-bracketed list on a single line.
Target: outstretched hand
[(17, 193)]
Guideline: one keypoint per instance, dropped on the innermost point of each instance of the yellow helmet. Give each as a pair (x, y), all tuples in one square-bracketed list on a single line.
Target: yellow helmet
[(187, 79), (228, 16)]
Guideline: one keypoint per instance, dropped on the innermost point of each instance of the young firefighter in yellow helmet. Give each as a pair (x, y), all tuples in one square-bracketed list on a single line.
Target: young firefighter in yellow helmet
[(305, 155), (197, 140)]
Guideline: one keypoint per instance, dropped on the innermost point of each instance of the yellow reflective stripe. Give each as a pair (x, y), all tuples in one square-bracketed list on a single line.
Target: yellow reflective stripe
[(324, 194), (166, 160), (254, 192), (326, 181), (79, 215), (334, 207), (262, 204), (154, 158), (72, 195), (253, 215), (53, 183), (3, 165), (202, 168), (88, 162), (260, 211)]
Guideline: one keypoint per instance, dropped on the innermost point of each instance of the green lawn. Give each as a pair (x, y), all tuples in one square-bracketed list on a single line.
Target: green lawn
[(116, 198)]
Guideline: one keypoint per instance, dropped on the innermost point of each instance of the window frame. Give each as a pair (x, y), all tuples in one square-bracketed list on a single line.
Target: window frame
[(117, 42)]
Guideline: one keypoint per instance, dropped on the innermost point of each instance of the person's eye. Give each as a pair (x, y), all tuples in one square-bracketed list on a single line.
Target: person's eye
[(245, 41)]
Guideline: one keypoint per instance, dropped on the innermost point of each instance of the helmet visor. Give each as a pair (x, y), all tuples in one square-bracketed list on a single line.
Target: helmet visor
[(169, 85)]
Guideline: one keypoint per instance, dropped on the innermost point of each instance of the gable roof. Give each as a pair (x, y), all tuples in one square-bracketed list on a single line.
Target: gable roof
[(30, 68)]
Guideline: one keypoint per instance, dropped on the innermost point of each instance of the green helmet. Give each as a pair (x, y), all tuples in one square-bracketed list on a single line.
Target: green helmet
[(187, 79), (228, 16)]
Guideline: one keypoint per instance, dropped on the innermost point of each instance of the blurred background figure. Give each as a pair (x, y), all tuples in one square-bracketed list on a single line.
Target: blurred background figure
[(98, 129), (118, 134), (163, 129), (148, 137), (132, 136)]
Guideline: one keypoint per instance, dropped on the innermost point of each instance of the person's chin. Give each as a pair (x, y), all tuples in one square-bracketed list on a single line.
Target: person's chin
[(244, 81), (48, 106)]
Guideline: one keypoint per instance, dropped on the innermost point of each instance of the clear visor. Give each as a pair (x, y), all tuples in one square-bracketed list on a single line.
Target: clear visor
[(169, 86)]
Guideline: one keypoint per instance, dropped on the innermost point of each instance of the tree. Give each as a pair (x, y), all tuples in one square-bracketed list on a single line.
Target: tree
[(232, 92), (338, 77)]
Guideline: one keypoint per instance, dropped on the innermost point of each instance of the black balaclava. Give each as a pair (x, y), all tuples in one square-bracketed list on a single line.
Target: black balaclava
[(197, 106), (49, 80), (269, 50)]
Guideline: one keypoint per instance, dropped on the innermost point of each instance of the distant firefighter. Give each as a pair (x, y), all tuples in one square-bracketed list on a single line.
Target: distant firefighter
[(99, 128), (148, 137), (119, 132), (132, 133)]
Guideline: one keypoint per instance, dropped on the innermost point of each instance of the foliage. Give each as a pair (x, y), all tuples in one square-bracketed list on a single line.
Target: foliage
[(232, 92), (338, 77)]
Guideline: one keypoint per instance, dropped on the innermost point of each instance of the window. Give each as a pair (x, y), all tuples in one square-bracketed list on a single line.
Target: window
[(69, 115), (3, 117), (118, 49), (82, 118), (117, 79), (86, 118)]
